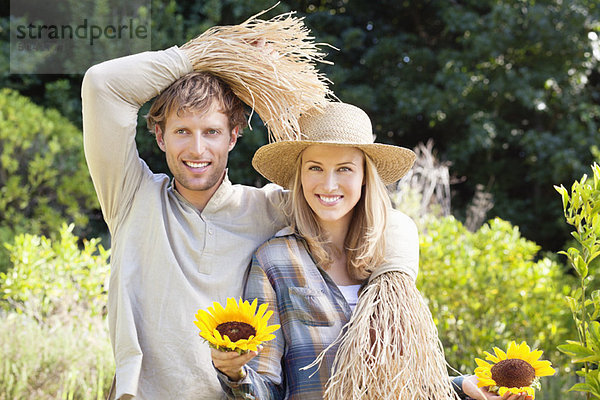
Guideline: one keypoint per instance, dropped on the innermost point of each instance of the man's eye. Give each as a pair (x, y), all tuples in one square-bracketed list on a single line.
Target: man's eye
[(180, 131), (213, 132)]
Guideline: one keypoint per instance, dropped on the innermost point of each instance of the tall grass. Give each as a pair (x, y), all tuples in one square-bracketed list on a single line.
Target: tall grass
[(54, 341), (69, 359)]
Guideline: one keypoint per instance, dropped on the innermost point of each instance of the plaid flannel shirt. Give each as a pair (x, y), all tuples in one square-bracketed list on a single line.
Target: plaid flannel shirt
[(311, 311)]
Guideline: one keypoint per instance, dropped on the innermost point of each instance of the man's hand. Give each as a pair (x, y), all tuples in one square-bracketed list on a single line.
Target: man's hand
[(230, 362), (266, 49), (470, 388)]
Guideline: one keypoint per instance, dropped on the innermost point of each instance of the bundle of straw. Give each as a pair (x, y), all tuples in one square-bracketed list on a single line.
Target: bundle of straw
[(270, 66), (390, 347)]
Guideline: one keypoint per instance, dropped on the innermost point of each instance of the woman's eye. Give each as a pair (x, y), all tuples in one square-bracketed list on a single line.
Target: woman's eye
[(314, 168), (344, 169)]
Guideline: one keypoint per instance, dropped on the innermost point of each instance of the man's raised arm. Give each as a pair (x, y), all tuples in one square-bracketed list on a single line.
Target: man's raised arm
[(112, 93)]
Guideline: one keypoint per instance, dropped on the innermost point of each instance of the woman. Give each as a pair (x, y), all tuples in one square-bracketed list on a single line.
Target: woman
[(332, 345)]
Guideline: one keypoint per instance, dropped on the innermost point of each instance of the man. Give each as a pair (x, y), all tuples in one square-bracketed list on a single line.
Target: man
[(176, 247)]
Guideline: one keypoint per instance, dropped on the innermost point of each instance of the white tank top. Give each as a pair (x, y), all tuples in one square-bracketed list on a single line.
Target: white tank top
[(350, 293)]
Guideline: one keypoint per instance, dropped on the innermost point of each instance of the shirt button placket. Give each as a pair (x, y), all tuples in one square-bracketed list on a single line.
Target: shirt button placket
[(210, 237)]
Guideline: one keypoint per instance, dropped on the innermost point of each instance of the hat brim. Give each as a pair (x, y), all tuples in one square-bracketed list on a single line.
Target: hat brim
[(276, 161)]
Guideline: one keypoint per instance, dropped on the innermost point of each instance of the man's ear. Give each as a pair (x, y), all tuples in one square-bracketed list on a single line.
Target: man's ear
[(233, 137), (160, 140)]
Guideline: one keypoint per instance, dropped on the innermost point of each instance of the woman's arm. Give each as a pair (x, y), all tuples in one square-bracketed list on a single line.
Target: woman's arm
[(262, 377)]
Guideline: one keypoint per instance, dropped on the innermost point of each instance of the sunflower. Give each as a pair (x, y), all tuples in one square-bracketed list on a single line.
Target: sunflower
[(237, 327), (516, 371)]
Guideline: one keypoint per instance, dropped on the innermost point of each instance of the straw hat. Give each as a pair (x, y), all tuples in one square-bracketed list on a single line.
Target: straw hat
[(341, 125)]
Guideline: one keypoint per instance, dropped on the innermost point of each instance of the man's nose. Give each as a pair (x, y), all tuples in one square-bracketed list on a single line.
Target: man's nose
[(198, 144)]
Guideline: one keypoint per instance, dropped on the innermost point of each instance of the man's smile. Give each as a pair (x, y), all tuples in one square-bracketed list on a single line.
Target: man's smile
[(193, 164)]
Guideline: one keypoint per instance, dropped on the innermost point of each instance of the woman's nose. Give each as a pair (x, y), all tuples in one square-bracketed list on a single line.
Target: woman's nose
[(330, 183)]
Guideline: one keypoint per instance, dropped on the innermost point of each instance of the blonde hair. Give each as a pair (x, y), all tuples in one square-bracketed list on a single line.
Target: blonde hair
[(364, 244), (196, 91)]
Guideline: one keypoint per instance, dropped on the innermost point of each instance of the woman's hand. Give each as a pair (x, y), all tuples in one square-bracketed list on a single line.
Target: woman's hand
[(470, 388), (230, 362)]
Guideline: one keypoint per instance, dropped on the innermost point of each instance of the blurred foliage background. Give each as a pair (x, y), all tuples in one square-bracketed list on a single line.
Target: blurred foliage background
[(505, 92), (509, 91)]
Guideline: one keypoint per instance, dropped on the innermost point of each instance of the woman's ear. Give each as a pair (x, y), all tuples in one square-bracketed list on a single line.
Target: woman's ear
[(160, 140)]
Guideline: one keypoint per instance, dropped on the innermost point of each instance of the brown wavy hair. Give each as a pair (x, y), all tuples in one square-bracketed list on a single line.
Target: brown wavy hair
[(196, 92)]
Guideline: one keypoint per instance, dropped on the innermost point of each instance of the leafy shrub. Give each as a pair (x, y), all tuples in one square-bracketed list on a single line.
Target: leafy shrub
[(581, 208), (54, 340), (54, 278), (43, 175), (486, 289)]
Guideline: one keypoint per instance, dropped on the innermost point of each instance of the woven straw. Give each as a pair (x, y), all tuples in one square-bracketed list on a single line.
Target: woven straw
[(339, 124), (270, 65), (389, 350)]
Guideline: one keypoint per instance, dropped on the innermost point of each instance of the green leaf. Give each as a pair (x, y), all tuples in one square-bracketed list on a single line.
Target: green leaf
[(578, 352), (594, 335), (563, 194), (581, 387), (572, 303), (581, 266)]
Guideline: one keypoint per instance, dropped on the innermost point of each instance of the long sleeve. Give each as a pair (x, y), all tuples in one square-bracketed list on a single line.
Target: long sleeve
[(112, 94), (264, 374), (401, 246)]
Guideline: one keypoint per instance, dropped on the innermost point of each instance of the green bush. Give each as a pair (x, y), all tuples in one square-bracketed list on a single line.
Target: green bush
[(486, 288), (43, 175), (54, 278), (54, 342), (581, 206)]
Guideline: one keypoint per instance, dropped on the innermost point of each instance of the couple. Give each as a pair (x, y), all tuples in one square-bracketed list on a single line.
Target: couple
[(179, 244)]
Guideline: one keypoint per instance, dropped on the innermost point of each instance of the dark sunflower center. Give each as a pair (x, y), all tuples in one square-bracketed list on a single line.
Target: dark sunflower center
[(513, 373), (236, 330)]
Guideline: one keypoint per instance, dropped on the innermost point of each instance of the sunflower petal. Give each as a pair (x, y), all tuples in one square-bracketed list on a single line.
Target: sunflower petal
[(500, 353), (482, 363), (267, 315), (485, 382), (544, 369), (491, 357), (261, 310), (253, 307), (512, 350), (524, 348), (534, 356), (504, 390)]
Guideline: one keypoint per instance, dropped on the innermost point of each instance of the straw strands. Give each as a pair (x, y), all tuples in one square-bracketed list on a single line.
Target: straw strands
[(390, 347), (270, 65)]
